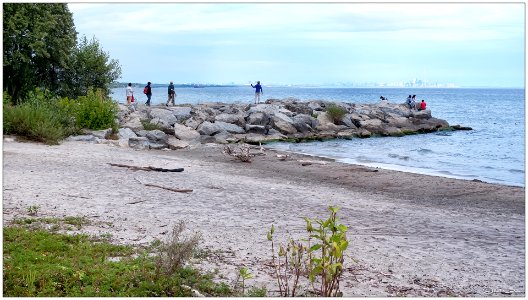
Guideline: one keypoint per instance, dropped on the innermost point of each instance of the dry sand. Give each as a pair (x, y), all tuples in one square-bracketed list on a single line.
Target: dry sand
[(411, 234)]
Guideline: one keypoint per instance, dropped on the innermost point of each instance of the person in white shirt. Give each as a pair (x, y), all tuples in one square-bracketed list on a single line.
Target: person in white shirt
[(129, 93)]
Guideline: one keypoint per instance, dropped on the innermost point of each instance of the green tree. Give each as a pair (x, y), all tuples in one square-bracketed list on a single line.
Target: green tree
[(38, 40), (91, 68)]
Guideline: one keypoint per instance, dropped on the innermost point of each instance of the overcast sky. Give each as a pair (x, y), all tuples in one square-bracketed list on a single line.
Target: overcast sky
[(472, 44)]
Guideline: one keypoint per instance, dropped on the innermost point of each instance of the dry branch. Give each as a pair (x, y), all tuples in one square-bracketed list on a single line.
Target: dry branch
[(148, 168), (165, 188)]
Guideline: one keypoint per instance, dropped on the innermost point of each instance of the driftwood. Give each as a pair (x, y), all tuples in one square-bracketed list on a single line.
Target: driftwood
[(162, 187), (311, 162), (149, 168)]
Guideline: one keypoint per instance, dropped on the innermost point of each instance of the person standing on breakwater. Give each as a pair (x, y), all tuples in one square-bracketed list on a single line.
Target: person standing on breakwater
[(148, 92), (258, 91), (171, 94), (129, 93)]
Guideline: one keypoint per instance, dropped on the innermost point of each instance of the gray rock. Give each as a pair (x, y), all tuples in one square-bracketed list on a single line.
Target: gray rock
[(166, 127), (193, 122), (183, 132), (126, 133), (175, 144), (181, 113), (237, 119), (258, 118), (81, 138), (208, 128), (231, 128), (138, 143), (165, 115), (283, 124), (206, 139), (259, 129), (156, 135)]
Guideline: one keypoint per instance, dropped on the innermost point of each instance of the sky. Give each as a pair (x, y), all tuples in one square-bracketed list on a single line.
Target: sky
[(467, 44)]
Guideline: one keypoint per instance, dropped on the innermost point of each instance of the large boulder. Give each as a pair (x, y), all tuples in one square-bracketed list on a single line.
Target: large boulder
[(126, 133), (163, 124), (299, 108), (157, 139), (258, 118), (181, 113), (208, 128), (165, 115), (183, 132), (231, 128), (283, 123), (237, 119)]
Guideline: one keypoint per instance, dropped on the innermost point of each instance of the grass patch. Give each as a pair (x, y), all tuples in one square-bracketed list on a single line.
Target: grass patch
[(149, 126), (45, 264), (335, 113)]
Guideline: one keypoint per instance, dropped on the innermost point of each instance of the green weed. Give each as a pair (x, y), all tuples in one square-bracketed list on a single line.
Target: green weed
[(38, 263), (335, 113)]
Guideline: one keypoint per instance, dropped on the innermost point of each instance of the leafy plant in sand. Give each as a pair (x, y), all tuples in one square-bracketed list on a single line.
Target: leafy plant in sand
[(319, 258)]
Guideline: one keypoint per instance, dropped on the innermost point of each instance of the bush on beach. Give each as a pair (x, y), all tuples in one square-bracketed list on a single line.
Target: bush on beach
[(46, 118)]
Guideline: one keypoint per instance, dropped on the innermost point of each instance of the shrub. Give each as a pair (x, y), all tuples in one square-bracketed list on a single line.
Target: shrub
[(335, 113), (41, 117), (178, 249), (96, 111)]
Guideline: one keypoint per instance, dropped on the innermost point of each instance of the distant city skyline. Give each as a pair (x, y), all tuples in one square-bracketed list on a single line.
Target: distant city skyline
[(389, 44)]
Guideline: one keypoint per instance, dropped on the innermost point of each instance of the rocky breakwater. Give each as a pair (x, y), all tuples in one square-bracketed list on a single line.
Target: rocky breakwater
[(176, 127)]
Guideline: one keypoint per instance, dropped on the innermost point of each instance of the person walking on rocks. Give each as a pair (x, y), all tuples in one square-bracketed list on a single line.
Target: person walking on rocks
[(129, 94), (148, 92), (258, 92), (171, 94)]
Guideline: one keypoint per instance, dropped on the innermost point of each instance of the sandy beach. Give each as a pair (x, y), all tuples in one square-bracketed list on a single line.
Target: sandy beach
[(411, 234)]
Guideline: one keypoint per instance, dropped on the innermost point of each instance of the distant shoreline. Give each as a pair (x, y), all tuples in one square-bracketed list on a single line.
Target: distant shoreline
[(206, 85)]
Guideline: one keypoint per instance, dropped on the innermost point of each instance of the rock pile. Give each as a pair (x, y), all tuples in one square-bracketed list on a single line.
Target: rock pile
[(157, 127)]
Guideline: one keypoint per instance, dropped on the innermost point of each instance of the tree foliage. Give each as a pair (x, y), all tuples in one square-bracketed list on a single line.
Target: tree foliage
[(38, 39), (41, 51), (91, 67)]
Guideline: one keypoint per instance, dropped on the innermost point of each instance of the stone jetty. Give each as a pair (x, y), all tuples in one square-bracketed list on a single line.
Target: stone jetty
[(176, 127)]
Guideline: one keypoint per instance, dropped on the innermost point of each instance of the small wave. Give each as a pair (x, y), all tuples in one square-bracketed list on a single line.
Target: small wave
[(443, 133), (517, 171), (425, 151), (401, 157), (364, 159)]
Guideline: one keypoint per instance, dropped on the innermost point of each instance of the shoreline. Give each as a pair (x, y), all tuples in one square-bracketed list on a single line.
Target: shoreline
[(411, 234), (403, 169)]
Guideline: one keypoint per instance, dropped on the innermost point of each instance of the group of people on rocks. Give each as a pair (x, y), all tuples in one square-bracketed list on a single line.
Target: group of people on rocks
[(411, 101), (171, 93), (147, 90)]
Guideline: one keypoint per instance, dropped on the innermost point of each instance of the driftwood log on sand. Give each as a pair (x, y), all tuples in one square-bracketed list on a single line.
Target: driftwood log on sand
[(148, 168)]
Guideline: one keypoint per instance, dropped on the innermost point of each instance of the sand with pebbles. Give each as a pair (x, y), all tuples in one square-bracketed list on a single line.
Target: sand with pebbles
[(410, 234)]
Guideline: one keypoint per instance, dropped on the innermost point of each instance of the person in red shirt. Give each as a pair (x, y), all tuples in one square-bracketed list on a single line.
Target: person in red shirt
[(423, 105)]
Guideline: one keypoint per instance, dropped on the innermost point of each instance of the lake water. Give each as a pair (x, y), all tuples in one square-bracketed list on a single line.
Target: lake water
[(494, 151)]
